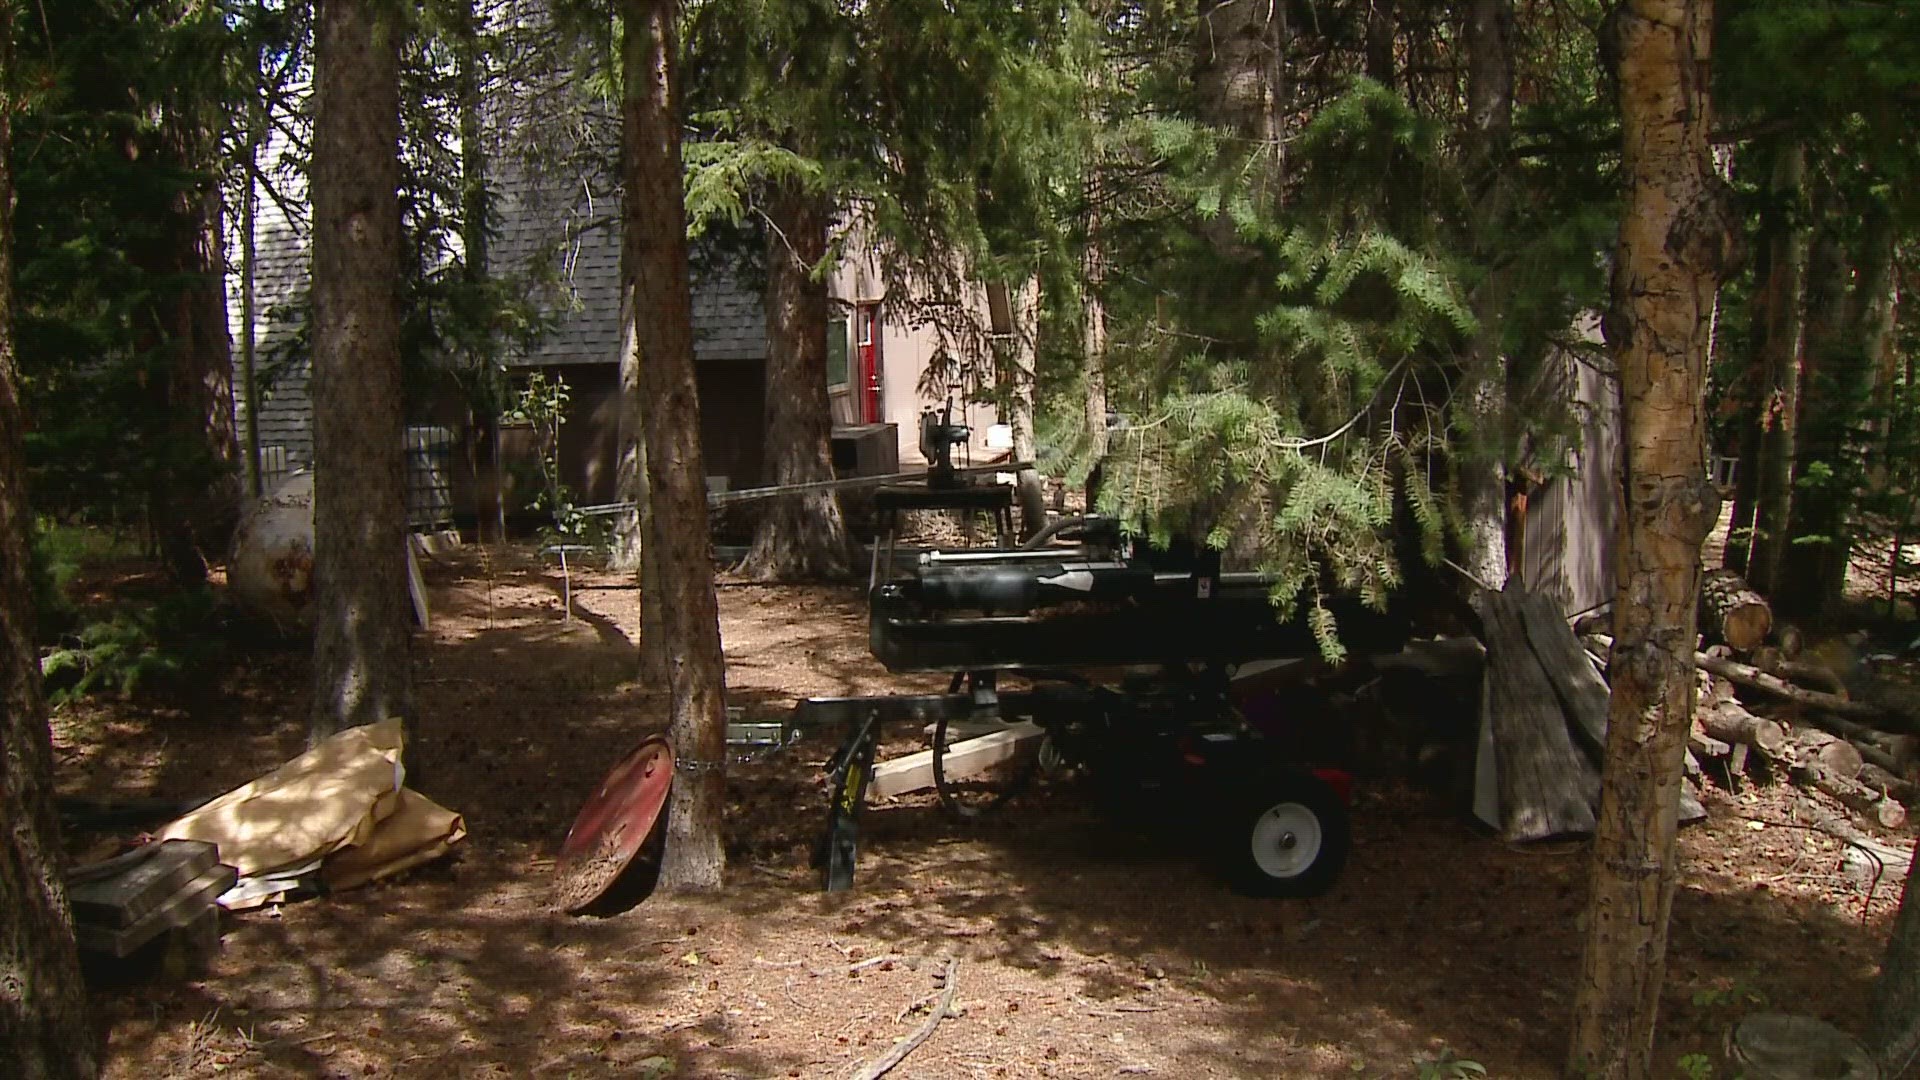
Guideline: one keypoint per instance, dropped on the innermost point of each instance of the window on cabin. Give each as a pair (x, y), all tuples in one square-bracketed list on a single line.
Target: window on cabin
[(837, 352)]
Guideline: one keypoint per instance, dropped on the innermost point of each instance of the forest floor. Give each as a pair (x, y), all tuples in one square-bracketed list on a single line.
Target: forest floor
[(1083, 949)]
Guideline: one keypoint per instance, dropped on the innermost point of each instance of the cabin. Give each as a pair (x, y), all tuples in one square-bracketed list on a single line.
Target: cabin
[(566, 234)]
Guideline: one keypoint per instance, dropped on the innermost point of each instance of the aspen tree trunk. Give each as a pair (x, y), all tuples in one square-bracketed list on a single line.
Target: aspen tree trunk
[(45, 1030), (800, 537), (362, 636), (249, 310), (656, 232), (1675, 241)]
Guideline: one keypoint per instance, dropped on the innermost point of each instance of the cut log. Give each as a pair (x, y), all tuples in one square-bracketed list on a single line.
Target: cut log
[(1891, 752), (1834, 755), (1732, 612), (1706, 746), (963, 759), (1886, 812), (1800, 672), (1883, 781), (1728, 721), (1547, 786)]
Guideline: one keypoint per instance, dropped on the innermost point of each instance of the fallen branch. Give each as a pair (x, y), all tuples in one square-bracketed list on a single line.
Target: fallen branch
[(1752, 677), (883, 1064), (1728, 722), (1861, 799)]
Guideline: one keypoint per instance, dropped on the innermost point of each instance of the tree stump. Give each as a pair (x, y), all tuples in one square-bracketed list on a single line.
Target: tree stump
[(1774, 1046), (1732, 612)]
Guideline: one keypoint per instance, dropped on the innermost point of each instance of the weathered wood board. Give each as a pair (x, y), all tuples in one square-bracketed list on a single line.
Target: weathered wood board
[(182, 908), (963, 759), (122, 890)]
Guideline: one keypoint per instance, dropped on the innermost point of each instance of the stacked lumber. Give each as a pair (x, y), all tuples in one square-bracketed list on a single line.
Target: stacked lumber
[(126, 902)]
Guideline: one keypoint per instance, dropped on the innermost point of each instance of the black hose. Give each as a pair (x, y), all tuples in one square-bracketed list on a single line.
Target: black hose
[(1052, 529)]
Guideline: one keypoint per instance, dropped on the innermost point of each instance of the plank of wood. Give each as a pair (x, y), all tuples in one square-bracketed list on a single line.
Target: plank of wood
[(182, 908), (417, 590), (1582, 692), (1547, 786), (963, 759), (123, 897)]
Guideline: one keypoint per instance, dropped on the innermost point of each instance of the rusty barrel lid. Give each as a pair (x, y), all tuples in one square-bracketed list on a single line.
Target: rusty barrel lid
[(614, 825)]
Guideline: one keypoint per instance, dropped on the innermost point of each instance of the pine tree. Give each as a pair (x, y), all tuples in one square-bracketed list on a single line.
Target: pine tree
[(45, 1029), (655, 234), (362, 636)]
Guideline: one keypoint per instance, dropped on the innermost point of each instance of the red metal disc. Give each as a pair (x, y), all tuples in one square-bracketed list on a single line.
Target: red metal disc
[(614, 825)]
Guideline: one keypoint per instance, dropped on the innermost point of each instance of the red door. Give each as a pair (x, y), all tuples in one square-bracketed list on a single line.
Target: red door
[(866, 321)]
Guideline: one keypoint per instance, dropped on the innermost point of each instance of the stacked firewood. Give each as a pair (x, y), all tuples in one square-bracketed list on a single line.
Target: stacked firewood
[(1763, 710)]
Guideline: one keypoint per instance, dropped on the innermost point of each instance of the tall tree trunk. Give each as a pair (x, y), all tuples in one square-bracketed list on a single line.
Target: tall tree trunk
[(1484, 402), (633, 530), (1879, 314), (362, 667), (1675, 241), (476, 240), (249, 307), (1241, 83), (1777, 331), (630, 482), (1016, 359), (1093, 355), (45, 1030), (1381, 31), (1833, 385), (195, 510), (799, 537), (655, 227)]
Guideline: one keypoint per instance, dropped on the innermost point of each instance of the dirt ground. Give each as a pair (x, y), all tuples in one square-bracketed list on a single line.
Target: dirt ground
[(1081, 948)]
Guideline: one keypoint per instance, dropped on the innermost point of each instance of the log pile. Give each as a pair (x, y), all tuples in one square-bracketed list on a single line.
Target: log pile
[(1771, 715)]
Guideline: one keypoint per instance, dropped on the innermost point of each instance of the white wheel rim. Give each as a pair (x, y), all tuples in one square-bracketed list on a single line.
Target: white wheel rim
[(1286, 840)]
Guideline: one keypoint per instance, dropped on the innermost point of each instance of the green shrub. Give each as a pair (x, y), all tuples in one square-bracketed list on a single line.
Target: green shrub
[(133, 647)]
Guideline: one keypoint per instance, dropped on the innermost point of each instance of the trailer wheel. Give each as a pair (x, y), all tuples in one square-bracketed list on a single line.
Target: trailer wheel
[(1286, 837)]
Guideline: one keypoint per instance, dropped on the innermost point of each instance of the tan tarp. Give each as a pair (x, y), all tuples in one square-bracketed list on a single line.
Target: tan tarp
[(418, 831), (342, 802)]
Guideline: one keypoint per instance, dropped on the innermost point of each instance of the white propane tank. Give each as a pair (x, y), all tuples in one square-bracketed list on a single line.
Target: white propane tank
[(271, 569)]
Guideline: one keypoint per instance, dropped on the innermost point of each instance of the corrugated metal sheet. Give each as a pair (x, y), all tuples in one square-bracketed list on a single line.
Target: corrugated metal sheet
[(1571, 521)]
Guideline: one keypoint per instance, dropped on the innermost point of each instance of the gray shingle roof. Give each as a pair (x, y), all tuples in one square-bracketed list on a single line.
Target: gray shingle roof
[(576, 242)]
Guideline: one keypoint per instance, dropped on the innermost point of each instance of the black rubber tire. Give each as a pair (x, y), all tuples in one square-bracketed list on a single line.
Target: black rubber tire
[(1246, 827)]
